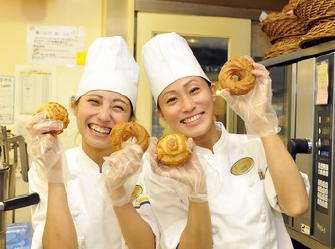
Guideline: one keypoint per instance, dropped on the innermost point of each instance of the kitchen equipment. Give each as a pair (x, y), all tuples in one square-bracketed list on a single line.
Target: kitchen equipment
[(15, 147), (303, 92), (324, 205), (11, 204)]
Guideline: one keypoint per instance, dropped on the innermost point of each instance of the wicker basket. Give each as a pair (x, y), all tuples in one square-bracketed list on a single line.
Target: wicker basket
[(288, 8), (283, 46), (278, 25), (322, 31), (313, 10)]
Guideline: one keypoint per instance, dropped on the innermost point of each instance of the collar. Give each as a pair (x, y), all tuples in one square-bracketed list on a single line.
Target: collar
[(221, 144), (85, 163)]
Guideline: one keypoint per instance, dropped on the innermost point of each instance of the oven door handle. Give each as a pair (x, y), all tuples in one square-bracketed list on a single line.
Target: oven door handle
[(299, 145), (19, 201)]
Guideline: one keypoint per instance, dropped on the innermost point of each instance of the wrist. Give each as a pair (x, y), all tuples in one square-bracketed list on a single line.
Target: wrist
[(119, 196), (262, 127), (55, 173), (198, 198), (199, 192)]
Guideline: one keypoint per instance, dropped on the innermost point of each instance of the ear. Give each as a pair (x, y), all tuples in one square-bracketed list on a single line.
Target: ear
[(213, 90), (74, 106), (160, 114)]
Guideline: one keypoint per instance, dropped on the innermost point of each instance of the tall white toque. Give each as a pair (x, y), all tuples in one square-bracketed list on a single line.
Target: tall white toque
[(168, 57), (110, 66)]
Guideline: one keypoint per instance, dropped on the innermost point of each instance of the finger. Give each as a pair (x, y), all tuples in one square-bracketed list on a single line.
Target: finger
[(40, 117), (154, 165), (128, 142), (259, 70), (153, 140), (228, 97), (153, 148), (250, 59), (133, 149), (49, 125), (46, 126), (152, 144)]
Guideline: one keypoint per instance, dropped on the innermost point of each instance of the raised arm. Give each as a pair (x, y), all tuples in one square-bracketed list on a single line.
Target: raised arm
[(123, 165), (49, 163), (260, 118), (197, 233)]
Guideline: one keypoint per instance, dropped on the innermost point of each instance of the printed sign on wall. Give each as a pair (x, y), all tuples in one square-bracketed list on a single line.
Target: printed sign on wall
[(54, 45)]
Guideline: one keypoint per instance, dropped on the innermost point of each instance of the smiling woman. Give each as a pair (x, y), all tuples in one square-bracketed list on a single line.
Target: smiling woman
[(235, 164), (106, 96)]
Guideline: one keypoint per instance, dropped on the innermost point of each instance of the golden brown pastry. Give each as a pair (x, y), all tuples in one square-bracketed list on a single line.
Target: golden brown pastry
[(172, 149), (121, 132), (55, 111), (236, 75)]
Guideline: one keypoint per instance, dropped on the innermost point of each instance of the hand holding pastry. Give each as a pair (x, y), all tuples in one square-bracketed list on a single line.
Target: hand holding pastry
[(122, 165), (255, 107), (236, 75), (44, 145), (53, 111), (190, 172)]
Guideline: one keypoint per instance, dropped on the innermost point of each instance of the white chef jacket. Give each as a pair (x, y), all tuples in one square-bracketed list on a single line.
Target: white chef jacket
[(244, 209), (94, 218)]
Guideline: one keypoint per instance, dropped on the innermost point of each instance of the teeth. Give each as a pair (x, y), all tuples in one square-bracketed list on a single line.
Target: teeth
[(100, 129), (189, 120)]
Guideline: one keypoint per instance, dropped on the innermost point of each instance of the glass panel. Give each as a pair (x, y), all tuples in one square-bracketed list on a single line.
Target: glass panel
[(211, 54), (281, 100)]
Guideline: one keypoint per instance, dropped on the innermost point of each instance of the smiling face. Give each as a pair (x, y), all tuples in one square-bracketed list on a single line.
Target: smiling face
[(97, 112), (187, 106)]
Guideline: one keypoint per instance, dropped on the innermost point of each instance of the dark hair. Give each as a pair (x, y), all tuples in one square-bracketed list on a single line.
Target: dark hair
[(132, 113)]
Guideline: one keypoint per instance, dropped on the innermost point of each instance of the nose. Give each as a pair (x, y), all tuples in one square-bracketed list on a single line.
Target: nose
[(188, 104), (104, 114)]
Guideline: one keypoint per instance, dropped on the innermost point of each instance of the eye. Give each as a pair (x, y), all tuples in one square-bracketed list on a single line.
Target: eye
[(170, 100), (93, 101), (118, 108), (194, 90)]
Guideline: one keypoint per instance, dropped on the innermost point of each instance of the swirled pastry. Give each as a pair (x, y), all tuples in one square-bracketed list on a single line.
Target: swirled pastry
[(172, 149), (121, 132), (236, 75), (55, 111)]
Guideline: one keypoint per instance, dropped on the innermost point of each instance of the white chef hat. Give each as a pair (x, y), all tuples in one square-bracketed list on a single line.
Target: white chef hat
[(110, 66), (168, 57)]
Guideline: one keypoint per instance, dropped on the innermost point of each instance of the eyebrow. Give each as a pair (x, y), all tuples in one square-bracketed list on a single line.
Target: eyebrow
[(185, 85), (100, 96)]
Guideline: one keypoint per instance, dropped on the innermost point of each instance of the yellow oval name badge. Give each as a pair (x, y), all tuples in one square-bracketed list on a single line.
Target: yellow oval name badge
[(242, 166)]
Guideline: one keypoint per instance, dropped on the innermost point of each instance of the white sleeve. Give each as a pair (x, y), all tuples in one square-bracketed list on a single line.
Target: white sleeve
[(38, 183), (272, 194)]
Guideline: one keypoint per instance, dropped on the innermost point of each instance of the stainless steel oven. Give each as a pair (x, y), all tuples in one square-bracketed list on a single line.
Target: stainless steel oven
[(303, 95)]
